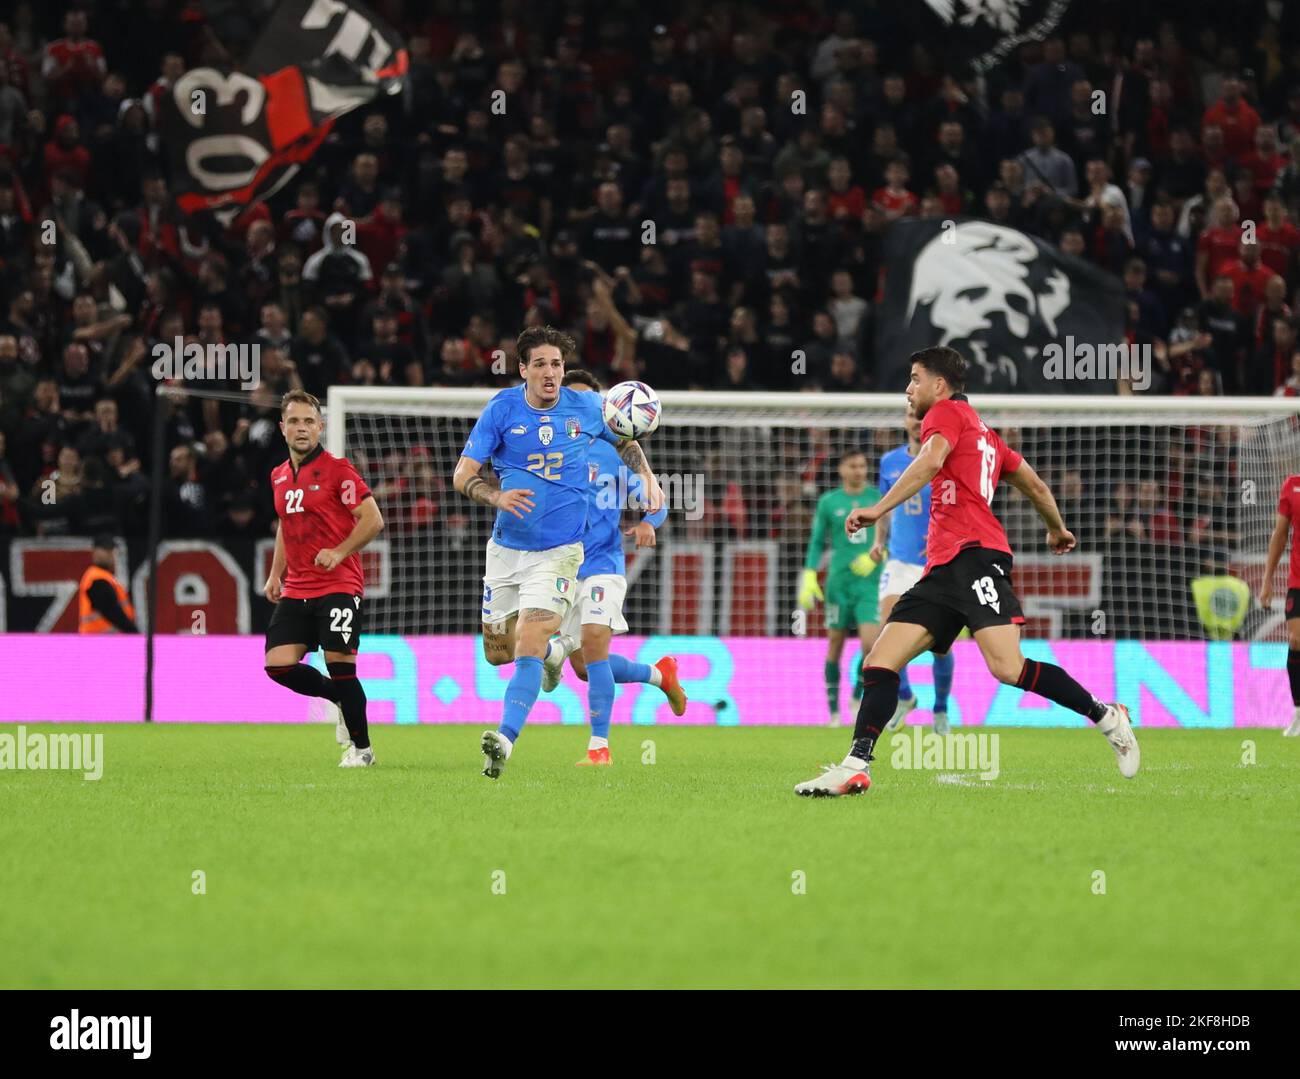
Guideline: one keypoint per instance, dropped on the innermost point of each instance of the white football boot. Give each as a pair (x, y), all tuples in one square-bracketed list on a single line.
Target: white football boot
[(835, 720), (1119, 733), (557, 651), (357, 758), (496, 751), (900, 713), (941, 723), (835, 780), (1293, 731)]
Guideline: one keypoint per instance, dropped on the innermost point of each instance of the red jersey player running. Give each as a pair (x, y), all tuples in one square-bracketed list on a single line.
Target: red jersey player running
[(967, 579), (327, 515), (1288, 508)]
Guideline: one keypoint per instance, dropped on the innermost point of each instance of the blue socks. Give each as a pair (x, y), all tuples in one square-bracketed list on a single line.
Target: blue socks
[(521, 694), (625, 670), (600, 696), (943, 666), (904, 687)]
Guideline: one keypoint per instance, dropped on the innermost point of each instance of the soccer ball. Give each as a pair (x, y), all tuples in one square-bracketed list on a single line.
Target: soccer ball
[(632, 409)]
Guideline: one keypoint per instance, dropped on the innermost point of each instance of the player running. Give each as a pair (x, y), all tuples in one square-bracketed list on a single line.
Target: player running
[(851, 595), (597, 611), (538, 437), (902, 531), (1288, 507), (967, 580), (327, 515)]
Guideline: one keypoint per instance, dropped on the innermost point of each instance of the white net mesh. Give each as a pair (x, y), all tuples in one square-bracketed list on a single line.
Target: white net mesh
[(1158, 492)]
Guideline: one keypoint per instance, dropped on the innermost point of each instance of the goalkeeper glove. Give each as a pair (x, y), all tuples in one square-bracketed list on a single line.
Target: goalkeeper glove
[(864, 565), (809, 590)]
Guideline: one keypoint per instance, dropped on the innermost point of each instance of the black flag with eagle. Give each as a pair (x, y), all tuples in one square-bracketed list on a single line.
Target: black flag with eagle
[(982, 33), (234, 138)]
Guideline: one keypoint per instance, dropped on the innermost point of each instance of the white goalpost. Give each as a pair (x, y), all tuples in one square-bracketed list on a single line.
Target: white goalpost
[(1159, 491)]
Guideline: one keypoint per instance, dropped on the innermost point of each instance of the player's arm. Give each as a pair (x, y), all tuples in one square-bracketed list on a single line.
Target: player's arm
[(881, 547), (644, 530), (467, 481), (369, 522), (924, 467), (634, 457), (278, 562), (1276, 548), (1029, 483), (810, 591)]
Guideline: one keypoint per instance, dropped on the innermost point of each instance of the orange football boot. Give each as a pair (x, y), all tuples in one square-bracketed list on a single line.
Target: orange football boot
[(667, 668)]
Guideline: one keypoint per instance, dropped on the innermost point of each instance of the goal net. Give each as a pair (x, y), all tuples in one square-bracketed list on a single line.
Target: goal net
[(1159, 492)]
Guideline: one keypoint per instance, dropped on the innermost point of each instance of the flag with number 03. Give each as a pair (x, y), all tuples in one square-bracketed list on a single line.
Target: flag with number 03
[(234, 138)]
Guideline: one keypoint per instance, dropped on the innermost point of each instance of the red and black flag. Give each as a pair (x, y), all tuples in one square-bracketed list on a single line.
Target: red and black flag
[(236, 137)]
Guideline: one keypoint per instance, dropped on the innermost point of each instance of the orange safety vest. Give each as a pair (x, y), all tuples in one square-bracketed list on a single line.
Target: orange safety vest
[(91, 621)]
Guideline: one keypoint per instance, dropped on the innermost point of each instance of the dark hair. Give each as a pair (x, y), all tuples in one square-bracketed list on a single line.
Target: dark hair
[(852, 451), (943, 362), (581, 374), (536, 336)]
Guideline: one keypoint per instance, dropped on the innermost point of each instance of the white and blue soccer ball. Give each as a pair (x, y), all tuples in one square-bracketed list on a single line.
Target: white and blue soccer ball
[(632, 409)]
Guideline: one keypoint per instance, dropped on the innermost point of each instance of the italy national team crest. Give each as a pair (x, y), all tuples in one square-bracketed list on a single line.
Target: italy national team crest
[(561, 584), (572, 427), (546, 434), (597, 594)]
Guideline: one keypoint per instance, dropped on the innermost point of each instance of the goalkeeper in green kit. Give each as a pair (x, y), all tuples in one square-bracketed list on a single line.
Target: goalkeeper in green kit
[(853, 579)]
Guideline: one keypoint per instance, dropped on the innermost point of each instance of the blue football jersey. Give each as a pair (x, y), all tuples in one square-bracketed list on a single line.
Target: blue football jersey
[(544, 451), (612, 482), (907, 523)]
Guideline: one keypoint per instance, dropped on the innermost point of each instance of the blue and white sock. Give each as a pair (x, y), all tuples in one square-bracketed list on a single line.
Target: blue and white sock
[(943, 668), (627, 671), (521, 694), (600, 696)]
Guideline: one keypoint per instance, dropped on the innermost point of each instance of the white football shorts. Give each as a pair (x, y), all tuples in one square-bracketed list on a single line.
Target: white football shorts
[(599, 602), (897, 577), (524, 580)]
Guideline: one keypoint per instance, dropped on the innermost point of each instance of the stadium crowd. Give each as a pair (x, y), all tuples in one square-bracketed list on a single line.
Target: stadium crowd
[(511, 183)]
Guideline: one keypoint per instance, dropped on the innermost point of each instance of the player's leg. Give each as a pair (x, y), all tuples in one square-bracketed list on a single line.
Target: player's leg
[(1293, 665), (1000, 647), (896, 646), (545, 588), (600, 690), (289, 637), (499, 641), (831, 669), (895, 579), (599, 612), (338, 628), (564, 644), (866, 604), (942, 672)]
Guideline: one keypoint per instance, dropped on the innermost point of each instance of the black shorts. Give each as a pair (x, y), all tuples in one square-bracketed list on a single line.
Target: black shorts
[(974, 590), (332, 623), (1292, 603)]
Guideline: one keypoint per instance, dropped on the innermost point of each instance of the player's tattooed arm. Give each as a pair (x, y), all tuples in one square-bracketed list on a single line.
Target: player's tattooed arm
[(468, 482), (634, 457)]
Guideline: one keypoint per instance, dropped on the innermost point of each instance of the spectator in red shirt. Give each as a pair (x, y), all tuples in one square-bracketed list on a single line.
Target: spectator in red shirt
[(894, 200), (1278, 239), (1235, 116), (73, 66), (64, 153), (1247, 198), (1265, 161), (1214, 152), (1217, 245), (845, 200), (1249, 277)]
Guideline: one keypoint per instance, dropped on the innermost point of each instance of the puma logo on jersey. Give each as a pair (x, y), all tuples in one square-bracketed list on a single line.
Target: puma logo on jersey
[(282, 479), (520, 430)]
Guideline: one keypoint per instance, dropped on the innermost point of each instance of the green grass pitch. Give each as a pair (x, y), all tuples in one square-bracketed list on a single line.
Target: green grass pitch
[(700, 869)]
